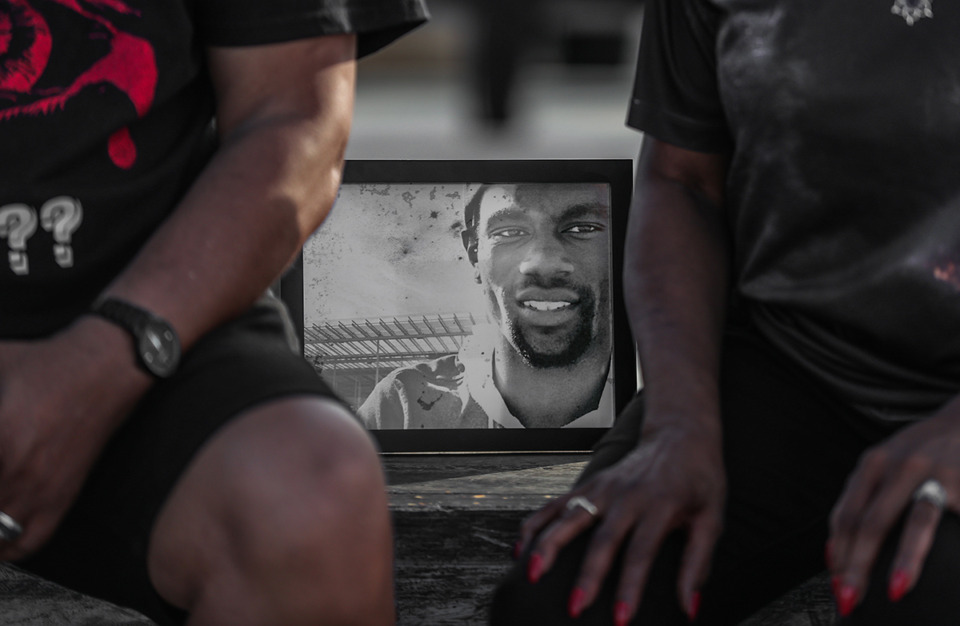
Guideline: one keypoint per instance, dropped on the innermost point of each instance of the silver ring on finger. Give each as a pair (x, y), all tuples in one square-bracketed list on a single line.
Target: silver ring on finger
[(933, 492), (10, 529), (583, 503)]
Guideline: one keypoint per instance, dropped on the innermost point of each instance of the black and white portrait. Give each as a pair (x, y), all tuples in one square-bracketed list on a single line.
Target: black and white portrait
[(465, 306)]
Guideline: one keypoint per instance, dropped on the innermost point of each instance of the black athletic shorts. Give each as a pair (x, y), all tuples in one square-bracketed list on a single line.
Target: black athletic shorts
[(100, 548)]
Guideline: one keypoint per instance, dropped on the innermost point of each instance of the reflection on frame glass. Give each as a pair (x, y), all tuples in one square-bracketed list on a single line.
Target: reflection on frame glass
[(471, 305)]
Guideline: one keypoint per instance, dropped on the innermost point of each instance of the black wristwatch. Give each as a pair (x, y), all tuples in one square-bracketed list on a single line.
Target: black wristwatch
[(157, 344)]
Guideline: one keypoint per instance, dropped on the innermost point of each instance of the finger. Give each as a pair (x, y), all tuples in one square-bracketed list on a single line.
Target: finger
[(695, 566), (561, 531), (533, 524), (888, 504), (915, 542), (644, 545), (846, 515)]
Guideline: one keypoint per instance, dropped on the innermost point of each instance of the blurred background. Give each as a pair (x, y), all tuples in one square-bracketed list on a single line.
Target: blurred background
[(503, 79)]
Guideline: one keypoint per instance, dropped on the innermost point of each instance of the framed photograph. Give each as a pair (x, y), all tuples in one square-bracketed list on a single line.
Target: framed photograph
[(472, 305)]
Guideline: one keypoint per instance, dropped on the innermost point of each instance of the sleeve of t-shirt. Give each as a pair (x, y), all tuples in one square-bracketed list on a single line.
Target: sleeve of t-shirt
[(675, 95), (258, 22)]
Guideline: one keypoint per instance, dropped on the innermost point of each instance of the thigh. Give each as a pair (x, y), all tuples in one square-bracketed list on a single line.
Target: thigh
[(788, 447), (101, 546)]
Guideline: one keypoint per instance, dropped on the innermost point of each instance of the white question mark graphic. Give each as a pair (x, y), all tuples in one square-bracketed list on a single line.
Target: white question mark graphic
[(18, 222), (62, 216)]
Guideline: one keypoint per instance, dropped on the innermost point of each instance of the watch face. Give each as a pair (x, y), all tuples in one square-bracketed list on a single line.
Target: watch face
[(159, 348)]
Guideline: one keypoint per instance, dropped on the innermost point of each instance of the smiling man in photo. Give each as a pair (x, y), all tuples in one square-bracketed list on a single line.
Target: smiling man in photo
[(540, 254)]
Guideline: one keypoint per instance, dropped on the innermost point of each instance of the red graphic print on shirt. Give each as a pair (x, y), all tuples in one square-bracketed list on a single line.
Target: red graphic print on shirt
[(26, 46)]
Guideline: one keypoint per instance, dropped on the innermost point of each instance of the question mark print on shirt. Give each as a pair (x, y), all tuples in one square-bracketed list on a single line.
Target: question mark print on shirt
[(18, 222), (62, 217)]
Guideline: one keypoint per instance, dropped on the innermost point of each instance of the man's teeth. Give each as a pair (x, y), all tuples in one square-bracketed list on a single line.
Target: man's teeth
[(541, 305)]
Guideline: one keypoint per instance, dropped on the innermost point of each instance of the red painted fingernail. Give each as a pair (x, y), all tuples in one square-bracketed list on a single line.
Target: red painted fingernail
[(694, 605), (534, 568), (899, 583), (575, 605), (846, 600), (621, 614), (835, 586)]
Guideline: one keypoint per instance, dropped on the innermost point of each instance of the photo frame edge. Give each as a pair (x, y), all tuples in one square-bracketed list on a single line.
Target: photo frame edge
[(618, 172)]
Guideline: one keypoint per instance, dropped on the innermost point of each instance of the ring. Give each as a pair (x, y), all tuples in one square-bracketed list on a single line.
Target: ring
[(583, 503), (933, 492), (10, 529)]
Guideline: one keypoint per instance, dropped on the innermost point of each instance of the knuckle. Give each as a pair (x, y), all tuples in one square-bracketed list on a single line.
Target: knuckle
[(634, 569), (917, 464), (546, 539), (923, 514), (950, 475), (714, 525), (530, 524), (605, 536), (874, 459), (872, 528), (843, 520)]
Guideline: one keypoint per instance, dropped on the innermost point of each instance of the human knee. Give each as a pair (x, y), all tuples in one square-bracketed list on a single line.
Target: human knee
[(285, 500), (310, 513), (316, 480)]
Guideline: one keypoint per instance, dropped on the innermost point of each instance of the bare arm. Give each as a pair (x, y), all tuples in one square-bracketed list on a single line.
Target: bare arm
[(284, 114), (675, 281)]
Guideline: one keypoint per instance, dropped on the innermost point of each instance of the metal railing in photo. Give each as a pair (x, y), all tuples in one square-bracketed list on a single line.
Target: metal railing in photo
[(353, 355)]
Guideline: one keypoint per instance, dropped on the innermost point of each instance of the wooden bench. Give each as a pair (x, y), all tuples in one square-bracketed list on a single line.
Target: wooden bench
[(456, 520)]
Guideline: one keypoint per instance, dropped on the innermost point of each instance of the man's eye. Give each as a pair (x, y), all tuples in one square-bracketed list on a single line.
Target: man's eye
[(583, 229), (507, 233)]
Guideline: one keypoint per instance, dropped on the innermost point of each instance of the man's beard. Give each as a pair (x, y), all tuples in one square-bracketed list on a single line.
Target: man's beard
[(570, 347)]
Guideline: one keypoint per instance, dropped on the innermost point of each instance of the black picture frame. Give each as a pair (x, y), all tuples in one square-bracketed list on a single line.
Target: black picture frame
[(347, 343)]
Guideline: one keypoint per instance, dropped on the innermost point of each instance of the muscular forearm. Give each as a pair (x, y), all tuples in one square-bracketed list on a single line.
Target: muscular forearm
[(268, 187), (675, 284), (237, 228)]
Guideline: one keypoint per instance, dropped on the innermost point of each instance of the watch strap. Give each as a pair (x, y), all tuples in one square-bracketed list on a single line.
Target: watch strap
[(147, 331), (126, 315)]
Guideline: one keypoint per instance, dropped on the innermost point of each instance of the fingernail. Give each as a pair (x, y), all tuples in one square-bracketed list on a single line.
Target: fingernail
[(621, 614), (835, 586), (534, 568), (694, 605), (899, 583), (575, 605), (846, 600)]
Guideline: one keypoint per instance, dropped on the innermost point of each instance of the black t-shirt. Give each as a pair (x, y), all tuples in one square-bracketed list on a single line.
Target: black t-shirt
[(843, 197), (105, 120)]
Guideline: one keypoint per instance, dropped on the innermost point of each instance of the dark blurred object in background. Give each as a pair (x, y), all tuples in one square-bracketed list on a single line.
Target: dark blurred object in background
[(582, 32), (506, 32)]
